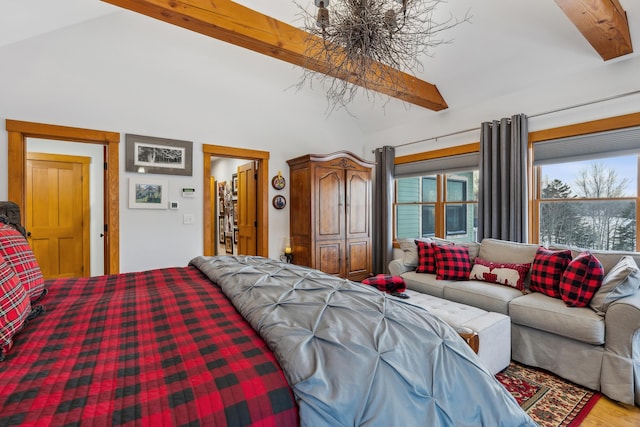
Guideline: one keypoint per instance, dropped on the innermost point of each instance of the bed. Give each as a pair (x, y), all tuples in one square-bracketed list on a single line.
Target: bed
[(240, 341)]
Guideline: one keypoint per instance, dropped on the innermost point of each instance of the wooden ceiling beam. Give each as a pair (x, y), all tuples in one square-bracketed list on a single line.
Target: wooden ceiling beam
[(603, 23), (239, 25)]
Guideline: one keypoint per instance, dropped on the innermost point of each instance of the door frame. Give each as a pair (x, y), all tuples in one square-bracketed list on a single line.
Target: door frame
[(19, 131), (262, 202)]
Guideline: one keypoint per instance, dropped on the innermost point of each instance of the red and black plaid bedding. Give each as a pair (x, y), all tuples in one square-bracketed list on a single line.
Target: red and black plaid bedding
[(160, 347)]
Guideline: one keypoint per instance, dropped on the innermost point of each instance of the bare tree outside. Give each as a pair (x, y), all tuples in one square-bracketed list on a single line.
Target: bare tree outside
[(594, 214)]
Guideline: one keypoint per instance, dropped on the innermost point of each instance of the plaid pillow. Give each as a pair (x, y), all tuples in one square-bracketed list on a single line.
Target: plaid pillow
[(581, 280), (426, 257), (18, 254), (452, 262), (547, 270), (505, 274), (14, 306), (386, 283)]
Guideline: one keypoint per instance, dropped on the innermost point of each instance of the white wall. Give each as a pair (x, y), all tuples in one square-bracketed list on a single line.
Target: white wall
[(131, 74)]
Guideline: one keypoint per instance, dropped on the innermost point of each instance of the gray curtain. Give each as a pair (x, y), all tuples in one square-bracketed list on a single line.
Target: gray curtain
[(502, 198), (382, 228)]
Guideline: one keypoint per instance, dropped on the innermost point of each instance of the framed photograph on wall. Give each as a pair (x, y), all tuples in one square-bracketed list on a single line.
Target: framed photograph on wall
[(235, 212), (234, 184), (148, 193), (221, 230), (228, 244), (235, 236), (146, 154)]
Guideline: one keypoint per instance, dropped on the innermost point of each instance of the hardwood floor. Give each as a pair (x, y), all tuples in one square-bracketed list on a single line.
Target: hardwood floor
[(607, 413)]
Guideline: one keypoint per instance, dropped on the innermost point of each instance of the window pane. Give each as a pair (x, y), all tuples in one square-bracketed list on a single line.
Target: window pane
[(428, 221), (429, 189), (608, 225), (407, 221), (462, 186), (408, 190), (461, 222), (603, 178)]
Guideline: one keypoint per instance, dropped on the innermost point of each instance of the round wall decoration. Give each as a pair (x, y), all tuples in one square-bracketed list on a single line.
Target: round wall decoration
[(278, 181), (279, 202)]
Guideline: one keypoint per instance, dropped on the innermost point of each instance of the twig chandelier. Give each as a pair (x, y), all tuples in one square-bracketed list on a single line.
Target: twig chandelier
[(354, 37)]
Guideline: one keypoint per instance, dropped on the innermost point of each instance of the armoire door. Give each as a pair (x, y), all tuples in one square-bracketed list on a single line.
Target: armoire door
[(330, 204)]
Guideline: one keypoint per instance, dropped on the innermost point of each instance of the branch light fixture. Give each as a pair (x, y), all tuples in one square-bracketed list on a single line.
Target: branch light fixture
[(365, 41)]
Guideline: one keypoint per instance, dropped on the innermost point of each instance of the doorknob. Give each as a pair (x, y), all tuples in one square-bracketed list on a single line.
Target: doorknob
[(28, 234)]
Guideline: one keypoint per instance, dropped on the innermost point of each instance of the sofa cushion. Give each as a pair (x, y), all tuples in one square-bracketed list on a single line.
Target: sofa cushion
[(452, 262), (621, 281), (487, 296), (607, 258), (505, 274), (547, 269), (425, 283), (580, 280), (410, 251), (426, 257), (496, 250), (542, 312)]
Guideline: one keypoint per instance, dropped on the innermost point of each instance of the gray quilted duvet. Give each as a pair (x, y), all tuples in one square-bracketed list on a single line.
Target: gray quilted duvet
[(356, 357)]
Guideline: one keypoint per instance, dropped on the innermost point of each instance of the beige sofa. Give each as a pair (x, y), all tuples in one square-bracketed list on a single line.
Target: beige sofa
[(599, 350)]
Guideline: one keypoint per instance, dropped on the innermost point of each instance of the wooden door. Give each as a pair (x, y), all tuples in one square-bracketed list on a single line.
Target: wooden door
[(358, 236), (247, 209), (329, 203), (57, 213)]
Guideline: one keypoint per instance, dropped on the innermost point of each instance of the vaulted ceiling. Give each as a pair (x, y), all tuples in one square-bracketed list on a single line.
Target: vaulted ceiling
[(508, 47), (602, 22)]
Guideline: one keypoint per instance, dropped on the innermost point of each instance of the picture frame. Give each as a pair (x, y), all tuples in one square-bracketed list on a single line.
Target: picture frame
[(235, 212), (220, 206), (148, 193), (221, 230), (235, 235), (234, 184), (147, 154), (228, 244)]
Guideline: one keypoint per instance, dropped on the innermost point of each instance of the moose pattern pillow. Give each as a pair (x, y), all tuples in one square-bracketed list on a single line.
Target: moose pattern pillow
[(512, 275)]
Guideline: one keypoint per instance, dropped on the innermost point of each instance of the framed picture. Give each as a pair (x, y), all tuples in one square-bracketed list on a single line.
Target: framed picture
[(234, 184), (235, 236), (146, 154), (148, 193), (228, 244), (235, 212), (220, 206), (221, 230)]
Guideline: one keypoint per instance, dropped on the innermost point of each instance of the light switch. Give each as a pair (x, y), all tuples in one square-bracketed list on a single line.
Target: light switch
[(188, 219)]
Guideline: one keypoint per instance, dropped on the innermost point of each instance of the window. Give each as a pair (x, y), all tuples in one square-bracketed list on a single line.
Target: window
[(585, 196), (442, 205)]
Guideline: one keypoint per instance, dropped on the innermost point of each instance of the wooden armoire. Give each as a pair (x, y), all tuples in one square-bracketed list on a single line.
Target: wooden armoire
[(330, 213)]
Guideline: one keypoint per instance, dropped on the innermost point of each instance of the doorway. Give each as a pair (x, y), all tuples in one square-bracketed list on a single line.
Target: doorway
[(261, 160), (19, 132)]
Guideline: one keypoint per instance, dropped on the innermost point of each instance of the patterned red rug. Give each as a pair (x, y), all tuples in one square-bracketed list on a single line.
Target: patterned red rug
[(550, 400)]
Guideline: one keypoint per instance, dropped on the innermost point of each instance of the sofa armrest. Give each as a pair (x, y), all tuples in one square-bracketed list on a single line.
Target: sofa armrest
[(620, 378), (622, 321), (397, 267)]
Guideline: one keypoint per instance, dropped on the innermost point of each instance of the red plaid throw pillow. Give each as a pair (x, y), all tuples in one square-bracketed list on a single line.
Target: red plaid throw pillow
[(547, 270), (386, 283), (18, 254), (14, 306), (452, 262), (505, 274), (581, 280), (426, 257)]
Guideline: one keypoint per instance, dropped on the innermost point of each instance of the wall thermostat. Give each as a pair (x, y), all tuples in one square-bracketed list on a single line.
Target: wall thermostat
[(188, 192)]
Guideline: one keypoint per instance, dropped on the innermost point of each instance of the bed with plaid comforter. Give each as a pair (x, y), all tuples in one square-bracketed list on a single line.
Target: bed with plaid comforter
[(242, 341), (161, 347)]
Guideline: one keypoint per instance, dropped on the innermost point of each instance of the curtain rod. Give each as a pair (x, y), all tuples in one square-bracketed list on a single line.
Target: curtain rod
[(597, 101)]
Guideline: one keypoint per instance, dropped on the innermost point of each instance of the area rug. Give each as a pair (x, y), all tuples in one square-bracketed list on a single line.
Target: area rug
[(550, 400)]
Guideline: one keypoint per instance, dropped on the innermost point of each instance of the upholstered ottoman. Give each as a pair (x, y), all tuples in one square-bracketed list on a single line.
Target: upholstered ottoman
[(493, 329)]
